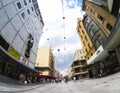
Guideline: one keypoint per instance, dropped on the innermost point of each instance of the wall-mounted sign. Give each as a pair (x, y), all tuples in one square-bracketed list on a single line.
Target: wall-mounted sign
[(24, 60), (14, 53)]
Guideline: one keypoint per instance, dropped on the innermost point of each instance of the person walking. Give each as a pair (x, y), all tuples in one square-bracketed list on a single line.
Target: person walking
[(66, 79), (21, 78)]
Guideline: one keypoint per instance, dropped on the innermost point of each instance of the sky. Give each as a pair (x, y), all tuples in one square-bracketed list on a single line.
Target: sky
[(60, 19)]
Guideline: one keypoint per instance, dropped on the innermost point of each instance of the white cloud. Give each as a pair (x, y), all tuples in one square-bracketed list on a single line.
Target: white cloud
[(52, 14)]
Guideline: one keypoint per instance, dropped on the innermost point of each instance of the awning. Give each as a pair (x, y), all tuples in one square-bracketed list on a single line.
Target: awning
[(48, 76), (99, 55)]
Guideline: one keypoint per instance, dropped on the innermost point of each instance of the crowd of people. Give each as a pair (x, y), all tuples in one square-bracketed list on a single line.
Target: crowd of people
[(25, 79), (29, 78)]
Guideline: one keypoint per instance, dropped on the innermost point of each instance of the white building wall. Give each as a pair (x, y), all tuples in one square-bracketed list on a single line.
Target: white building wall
[(23, 33), (10, 10), (8, 33), (32, 57), (18, 44), (0, 4), (6, 1), (17, 21), (3, 18)]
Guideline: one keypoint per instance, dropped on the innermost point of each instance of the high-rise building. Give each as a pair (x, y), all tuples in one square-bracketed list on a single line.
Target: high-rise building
[(79, 65), (45, 62), (21, 27)]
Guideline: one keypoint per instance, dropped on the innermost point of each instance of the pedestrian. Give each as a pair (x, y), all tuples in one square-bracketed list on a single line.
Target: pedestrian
[(66, 79), (74, 78), (21, 80), (101, 72)]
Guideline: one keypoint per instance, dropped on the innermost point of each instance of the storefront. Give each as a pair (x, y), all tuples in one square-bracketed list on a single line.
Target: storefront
[(103, 60), (10, 67)]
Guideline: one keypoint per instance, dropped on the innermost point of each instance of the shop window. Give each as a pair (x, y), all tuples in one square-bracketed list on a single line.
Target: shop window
[(19, 5), (28, 11), (109, 27), (23, 15), (3, 43)]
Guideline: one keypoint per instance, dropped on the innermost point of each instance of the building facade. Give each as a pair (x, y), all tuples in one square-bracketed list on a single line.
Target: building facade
[(100, 22), (79, 66), (21, 27), (87, 44), (45, 61)]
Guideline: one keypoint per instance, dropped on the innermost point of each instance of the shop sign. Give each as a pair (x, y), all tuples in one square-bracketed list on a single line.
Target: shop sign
[(24, 60), (14, 53)]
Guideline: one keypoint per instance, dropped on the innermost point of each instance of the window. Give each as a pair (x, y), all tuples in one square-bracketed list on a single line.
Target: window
[(29, 1), (23, 15), (101, 38), (25, 3), (82, 31), (97, 43), (86, 51), (87, 7), (86, 38), (91, 32), (89, 46), (32, 8), (28, 11), (93, 29), (83, 43), (19, 5), (101, 18), (87, 21), (81, 37), (92, 11), (91, 54), (108, 26)]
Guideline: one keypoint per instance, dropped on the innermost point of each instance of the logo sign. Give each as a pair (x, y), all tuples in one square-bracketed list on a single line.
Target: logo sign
[(24, 60)]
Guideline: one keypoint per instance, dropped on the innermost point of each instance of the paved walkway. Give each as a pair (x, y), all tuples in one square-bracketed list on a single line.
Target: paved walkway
[(109, 84)]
